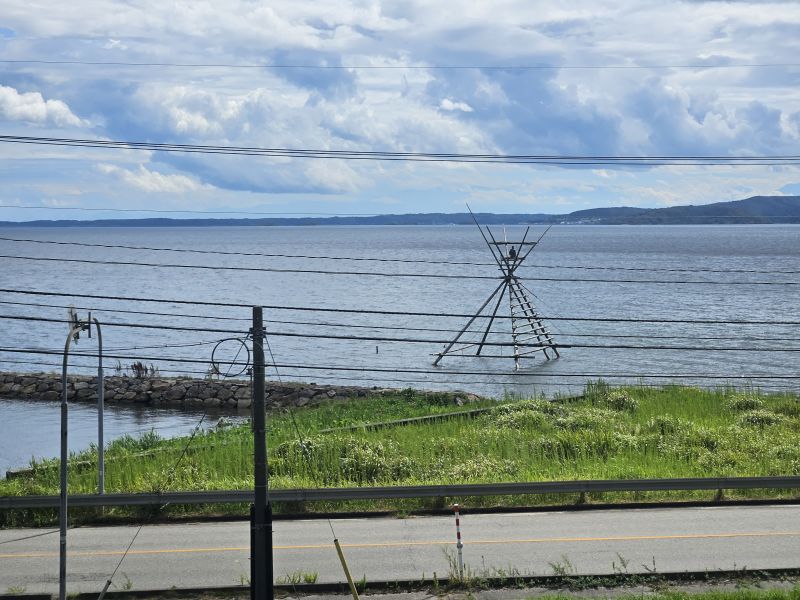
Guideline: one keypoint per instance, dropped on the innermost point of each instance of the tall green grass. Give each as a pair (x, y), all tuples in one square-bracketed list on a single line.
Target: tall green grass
[(612, 433)]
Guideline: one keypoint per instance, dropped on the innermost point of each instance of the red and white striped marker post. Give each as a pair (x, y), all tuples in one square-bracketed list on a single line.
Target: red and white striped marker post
[(459, 545)]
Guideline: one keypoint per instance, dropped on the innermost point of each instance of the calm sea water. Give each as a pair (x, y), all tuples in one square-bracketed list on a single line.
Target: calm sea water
[(32, 429), (758, 355)]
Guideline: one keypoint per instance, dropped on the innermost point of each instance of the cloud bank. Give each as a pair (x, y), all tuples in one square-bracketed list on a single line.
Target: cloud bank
[(515, 77)]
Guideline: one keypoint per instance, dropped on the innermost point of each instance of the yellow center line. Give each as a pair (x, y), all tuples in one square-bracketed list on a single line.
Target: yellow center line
[(556, 540)]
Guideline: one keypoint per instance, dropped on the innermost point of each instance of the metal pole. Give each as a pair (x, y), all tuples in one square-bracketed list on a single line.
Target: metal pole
[(491, 321), (475, 316), (261, 550), (485, 239), (101, 452), (459, 544), (62, 508)]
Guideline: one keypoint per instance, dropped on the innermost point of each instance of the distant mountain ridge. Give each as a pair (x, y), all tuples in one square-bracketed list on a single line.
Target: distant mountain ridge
[(758, 209)]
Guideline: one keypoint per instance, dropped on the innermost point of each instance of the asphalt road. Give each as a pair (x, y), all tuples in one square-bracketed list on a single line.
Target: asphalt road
[(586, 542)]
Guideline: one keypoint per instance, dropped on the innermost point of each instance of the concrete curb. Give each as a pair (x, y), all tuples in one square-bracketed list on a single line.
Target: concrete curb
[(410, 585)]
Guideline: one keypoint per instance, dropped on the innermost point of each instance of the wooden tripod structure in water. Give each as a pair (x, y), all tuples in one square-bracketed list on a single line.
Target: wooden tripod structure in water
[(528, 333)]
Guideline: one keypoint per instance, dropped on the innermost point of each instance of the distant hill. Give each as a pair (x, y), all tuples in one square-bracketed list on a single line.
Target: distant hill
[(758, 209)]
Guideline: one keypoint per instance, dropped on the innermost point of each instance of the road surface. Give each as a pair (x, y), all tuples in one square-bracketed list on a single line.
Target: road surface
[(585, 542)]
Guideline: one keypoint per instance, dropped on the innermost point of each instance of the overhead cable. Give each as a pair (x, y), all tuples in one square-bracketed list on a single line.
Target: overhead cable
[(377, 338), (357, 311), (396, 380), (101, 310), (396, 260), (385, 274), (437, 372), (189, 211), (433, 157), (401, 67)]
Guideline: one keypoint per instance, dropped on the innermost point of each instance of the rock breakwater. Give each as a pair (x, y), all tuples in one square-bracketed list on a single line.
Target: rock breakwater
[(226, 394)]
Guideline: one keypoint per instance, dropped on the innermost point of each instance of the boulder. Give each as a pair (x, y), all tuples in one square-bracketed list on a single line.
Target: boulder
[(159, 385), (224, 394), (175, 393), (86, 394)]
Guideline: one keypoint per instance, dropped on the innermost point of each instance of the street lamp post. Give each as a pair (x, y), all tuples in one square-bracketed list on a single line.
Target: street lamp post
[(75, 328), (101, 451)]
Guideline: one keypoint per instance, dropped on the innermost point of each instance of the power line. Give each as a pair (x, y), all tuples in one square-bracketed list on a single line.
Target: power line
[(395, 380), (391, 260), (246, 269), (29, 537), (129, 325), (548, 384), (374, 67), (515, 374), (376, 338), (97, 310), (189, 211), (555, 160), (397, 312), (142, 312), (384, 274), (168, 476)]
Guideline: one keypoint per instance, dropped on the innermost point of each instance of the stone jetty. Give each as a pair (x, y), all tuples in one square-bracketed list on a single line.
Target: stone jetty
[(224, 394)]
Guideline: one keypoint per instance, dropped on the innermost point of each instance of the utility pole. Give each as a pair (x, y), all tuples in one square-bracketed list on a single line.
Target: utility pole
[(261, 576)]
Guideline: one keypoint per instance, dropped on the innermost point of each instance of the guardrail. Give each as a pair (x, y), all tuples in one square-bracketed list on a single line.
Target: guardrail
[(413, 491)]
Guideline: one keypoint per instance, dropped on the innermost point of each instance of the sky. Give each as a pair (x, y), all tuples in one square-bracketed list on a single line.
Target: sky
[(619, 78)]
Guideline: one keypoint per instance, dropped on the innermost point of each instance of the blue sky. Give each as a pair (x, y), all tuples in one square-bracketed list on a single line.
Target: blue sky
[(406, 102)]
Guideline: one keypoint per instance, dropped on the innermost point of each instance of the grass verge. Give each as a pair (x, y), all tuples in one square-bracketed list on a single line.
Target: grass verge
[(610, 433)]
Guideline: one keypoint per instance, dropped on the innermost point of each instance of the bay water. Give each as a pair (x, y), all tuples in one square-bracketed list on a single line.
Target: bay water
[(579, 277)]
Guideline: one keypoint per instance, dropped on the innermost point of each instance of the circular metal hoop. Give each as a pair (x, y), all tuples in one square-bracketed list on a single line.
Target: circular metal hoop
[(230, 368)]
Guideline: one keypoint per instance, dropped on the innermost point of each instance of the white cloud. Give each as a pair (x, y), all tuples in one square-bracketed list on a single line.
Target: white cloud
[(113, 44), (31, 107), (153, 181), (447, 104), (413, 105)]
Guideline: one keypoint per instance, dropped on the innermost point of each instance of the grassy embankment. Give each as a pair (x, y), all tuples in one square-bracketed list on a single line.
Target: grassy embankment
[(620, 433)]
